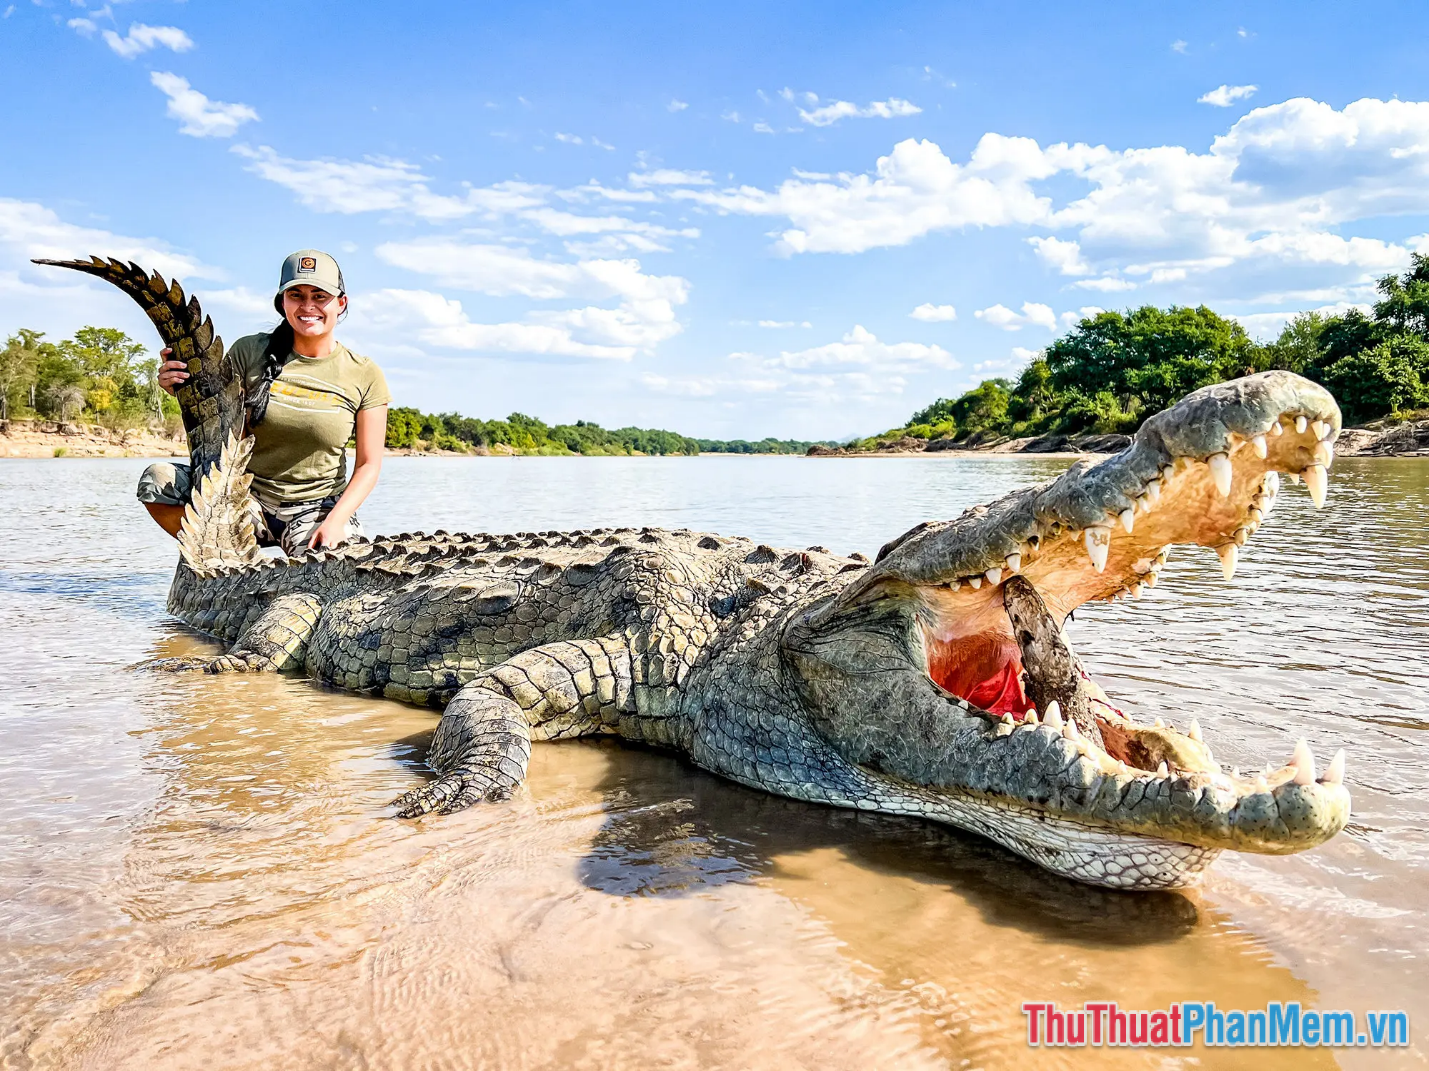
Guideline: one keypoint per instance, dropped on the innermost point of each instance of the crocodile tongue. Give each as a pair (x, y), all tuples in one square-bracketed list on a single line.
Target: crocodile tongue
[(1051, 672)]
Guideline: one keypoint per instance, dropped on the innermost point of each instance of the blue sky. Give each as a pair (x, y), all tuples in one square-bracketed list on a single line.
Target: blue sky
[(801, 220)]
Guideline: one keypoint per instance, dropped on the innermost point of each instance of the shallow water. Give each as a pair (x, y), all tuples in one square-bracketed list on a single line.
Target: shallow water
[(194, 871)]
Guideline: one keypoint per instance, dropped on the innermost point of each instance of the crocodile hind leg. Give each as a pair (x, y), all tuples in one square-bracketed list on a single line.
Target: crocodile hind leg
[(275, 641), (483, 742)]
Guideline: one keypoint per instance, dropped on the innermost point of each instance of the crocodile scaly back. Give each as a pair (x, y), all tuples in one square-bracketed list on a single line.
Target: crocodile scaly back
[(211, 399)]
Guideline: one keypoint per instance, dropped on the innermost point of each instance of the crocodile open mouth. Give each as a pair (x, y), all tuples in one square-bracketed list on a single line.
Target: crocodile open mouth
[(994, 639)]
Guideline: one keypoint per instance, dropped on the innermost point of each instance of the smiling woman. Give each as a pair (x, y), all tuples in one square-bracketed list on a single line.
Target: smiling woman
[(306, 395)]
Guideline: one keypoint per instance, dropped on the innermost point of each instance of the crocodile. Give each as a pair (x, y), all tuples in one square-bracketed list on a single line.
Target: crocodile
[(935, 680)]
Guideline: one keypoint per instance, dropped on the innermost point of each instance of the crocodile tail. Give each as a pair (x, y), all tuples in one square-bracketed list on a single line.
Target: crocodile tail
[(211, 399), (217, 532)]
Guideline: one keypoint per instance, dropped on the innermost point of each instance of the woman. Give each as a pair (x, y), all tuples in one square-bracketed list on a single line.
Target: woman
[(306, 395)]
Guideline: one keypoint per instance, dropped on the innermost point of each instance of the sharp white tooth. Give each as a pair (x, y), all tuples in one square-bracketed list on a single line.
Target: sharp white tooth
[(1335, 772), (1136, 590), (1301, 424), (1153, 491), (1294, 477), (994, 575), (1162, 770), (1271, 483), (1323, 454), (1241, 536), (1304, 763), (1277, 429), (974, 582), (1228, 553), (1194, 732), (1259, 783), (1151, 578), (1031, 717), (1053, 715), (1014, 562), (1321, 429), (1160, 724), (1070, 731), (1261, 449), (1167, 471), (1098, 542), (1317, 482), (1221, 472), (1128, 519), (1006, 719), (955, 585), (1257, 516)]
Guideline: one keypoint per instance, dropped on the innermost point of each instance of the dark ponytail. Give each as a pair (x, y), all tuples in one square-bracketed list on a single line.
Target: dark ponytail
[(275, 356)]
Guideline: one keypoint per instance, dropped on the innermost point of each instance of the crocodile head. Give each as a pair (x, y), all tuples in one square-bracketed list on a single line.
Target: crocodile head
[(943, 672)]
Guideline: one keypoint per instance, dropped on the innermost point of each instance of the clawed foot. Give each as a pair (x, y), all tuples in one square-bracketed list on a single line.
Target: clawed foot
[(234, 662), (451, 792)]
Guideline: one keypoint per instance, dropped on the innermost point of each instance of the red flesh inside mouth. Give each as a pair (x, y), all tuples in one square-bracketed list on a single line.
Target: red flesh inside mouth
[(984, 670)]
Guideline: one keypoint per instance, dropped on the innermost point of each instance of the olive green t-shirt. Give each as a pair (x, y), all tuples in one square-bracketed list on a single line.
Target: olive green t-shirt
[(299, 449)]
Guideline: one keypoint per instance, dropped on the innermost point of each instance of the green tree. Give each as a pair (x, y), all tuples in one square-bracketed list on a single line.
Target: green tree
[(19, 367), (1387, 378)]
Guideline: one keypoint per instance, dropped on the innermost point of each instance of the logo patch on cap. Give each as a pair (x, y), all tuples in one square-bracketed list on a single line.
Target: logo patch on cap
[(307, 264)]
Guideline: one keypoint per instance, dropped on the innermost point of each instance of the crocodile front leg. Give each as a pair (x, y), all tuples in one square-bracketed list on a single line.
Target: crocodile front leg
[(275, 641), (483, 742)]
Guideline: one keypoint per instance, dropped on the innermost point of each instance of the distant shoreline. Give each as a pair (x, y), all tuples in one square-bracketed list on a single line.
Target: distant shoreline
[(48, 439)]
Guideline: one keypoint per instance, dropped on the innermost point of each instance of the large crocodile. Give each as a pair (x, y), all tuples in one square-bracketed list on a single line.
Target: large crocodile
[(935, 681)]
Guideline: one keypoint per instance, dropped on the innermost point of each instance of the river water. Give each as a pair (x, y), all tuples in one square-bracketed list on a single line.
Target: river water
[(194, 870)]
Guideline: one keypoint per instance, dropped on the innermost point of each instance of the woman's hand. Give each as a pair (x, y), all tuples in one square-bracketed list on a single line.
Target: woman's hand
[(330, 533), (171, 373)]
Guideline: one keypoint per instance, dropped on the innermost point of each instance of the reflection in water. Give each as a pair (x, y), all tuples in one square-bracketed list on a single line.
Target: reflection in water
[(195, 871)]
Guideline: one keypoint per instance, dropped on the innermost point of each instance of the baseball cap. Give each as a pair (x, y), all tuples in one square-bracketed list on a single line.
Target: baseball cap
[(312, 267)]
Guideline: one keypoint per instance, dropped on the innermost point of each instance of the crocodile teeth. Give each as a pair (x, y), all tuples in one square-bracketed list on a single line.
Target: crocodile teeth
[(1098, 542), (1304, 763), (1221, 472), (1301, 424), (974, 582), (1335, 772), (1031, 716), (1128, 519), (1160, 724), (994, 576), (1277, 429), (1194, 732), (1241, 537), (1167, 471), (1006, 719), (1228, 553), (1135, 590), (1151, 579), (1162, 770), (1321, 429), (1153, 491), (1256, 515), (1261, 449), (1014, 562), (1070, 732), (1316, 482), (1323, 454), (1053, 715), (1271, 483)]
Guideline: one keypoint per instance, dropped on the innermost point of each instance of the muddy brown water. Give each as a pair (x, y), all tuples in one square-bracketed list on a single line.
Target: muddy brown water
[(195, 871)]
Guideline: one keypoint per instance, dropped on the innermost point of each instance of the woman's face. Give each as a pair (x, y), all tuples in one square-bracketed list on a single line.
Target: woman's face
[(312, 312)]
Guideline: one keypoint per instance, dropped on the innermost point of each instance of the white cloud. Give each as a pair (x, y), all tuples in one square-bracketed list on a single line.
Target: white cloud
[(667, 176), (780, 324), (930, 313), (762, 127), (1065, 256), (32, 230), (198, 116), (570, 139), (1225, 96), (1033, 314), (676, 106), (1275, 191), (644, 316), (1070, 319), (828, 114), (861, 347), (142, 38), (1267, 325), (1179, 46), (83, 27)]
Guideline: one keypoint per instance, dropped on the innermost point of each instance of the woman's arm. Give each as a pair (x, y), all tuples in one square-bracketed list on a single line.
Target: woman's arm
[(371, 437)]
